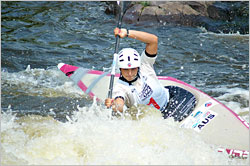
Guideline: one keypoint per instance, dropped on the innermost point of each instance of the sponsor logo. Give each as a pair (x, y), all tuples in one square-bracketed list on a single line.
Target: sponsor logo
[(146, 92), (197, 114), (199, 120), (195, 125), (208, 104), (237, 153), (233, 153), (208, 113), (199, 117), (206, 121), (129, 64)]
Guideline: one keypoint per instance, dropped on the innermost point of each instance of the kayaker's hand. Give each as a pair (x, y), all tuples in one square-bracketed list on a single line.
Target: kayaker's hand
[(109, 102), (121, 32)]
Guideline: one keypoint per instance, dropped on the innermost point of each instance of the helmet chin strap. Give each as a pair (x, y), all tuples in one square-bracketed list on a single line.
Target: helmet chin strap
[(130, 82)]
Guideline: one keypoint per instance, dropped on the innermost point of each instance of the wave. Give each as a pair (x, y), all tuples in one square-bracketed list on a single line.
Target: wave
[(230, 34)]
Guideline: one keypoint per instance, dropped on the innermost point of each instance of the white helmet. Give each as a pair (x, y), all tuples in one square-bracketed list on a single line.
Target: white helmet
[(129, 58)]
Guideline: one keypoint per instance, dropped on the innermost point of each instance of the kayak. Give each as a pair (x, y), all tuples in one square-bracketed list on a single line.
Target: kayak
[(212, 120)]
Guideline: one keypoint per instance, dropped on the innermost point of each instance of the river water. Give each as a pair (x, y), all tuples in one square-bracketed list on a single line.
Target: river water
[(46, 119)]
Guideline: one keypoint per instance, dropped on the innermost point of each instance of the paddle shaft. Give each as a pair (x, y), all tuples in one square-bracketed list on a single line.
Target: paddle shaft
[(117, 43)]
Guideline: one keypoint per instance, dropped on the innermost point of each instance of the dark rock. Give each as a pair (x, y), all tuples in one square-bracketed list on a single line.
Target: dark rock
[(111, 7), (218, 11), (156, 3), (132, 14), (215, 16), (148, 13)]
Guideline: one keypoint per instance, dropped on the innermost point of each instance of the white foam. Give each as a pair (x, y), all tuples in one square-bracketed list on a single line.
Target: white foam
[(49, 83), (204, 30), (92, 137)]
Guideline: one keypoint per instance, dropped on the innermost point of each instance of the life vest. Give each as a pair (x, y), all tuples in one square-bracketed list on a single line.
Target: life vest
[(149, 93)]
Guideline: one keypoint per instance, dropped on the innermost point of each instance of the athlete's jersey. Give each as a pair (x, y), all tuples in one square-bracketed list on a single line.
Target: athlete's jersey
[(146, 89)]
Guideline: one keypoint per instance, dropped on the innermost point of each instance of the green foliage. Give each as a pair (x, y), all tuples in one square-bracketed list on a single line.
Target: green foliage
[(145, 3)]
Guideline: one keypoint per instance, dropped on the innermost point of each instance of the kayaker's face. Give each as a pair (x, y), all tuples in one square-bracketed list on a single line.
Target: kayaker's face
[(129, 74)]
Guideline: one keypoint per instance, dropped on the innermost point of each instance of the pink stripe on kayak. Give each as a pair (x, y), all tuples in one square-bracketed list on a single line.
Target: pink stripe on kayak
[(68, 68), (84, 88), (245, 123)]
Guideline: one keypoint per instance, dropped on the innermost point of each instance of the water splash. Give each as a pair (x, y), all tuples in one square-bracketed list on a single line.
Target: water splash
[(92, 136), (236, 99)]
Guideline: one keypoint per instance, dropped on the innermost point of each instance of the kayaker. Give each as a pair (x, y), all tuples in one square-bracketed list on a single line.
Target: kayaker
[(138, 83)]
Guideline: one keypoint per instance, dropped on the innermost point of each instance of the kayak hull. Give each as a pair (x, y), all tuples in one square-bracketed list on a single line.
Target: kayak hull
[(212, 120)]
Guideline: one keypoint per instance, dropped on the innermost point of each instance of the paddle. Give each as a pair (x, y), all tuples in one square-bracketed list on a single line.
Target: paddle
[(122, 5)]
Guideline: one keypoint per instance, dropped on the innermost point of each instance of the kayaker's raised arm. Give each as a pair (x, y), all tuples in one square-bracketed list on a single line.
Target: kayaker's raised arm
[(151, 40)]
